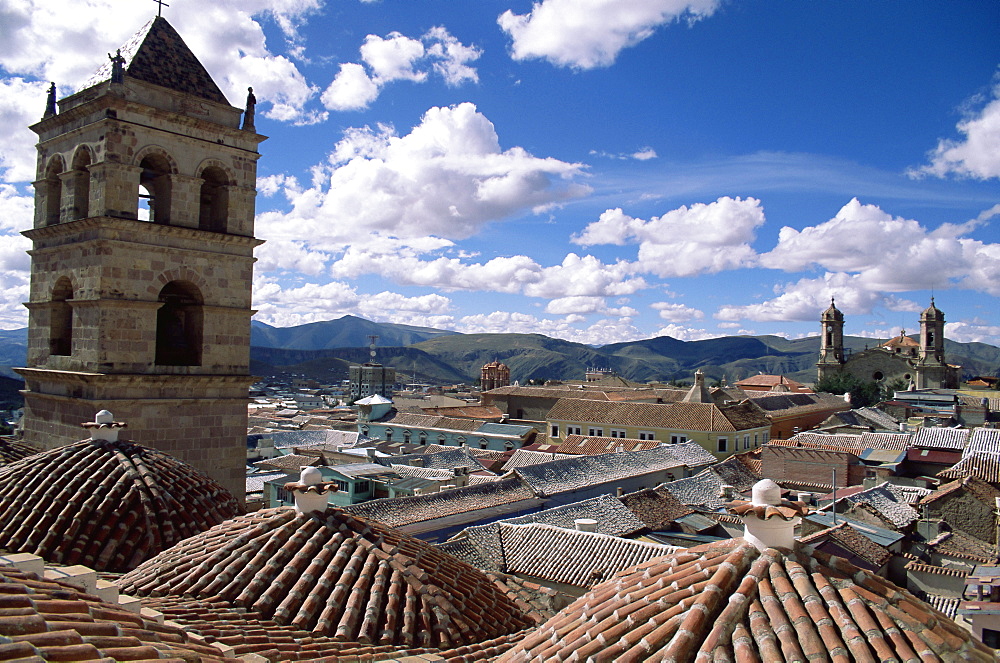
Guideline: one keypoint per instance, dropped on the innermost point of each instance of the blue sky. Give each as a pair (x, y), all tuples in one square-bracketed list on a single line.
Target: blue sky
[(599, 170)]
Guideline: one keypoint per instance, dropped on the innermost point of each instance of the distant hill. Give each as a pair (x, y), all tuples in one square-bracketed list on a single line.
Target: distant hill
[(325, 350), (346, 332)]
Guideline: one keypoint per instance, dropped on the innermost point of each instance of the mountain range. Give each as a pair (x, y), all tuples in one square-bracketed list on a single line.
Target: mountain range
[(325, 350)]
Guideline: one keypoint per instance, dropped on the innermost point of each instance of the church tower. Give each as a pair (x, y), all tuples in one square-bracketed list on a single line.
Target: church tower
[(831, 348), (931, 369), (142, 259)]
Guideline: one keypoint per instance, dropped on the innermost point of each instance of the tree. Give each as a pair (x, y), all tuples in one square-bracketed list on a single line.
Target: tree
[(864, 393)]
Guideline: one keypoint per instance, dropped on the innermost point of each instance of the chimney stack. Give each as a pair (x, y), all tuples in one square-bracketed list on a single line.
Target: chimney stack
[(104, 428), (585, 524), (769, 521), (311, 491)]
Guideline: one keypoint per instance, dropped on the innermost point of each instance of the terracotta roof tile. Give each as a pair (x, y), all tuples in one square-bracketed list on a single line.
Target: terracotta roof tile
[(330, 574), (941, 438), (675, 416), (107, 505), (984, 466), (50, 620), (586, 445), (12, 450), (656, 507), (729, 601), (576, 472)]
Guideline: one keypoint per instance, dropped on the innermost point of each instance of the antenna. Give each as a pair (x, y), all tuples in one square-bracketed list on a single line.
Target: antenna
[(372, 340)]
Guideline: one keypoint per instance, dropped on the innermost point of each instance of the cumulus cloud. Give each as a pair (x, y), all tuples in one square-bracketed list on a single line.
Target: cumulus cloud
[(700, 239), (312, 302), (21, 105), (682, 333), (973, 331), (977, 153), (674, 312), (16, 209), (398, 57), (602, 332), (804, 299), (584, 35), (448, 177), (581, 305), (890, 254), (41, 40)]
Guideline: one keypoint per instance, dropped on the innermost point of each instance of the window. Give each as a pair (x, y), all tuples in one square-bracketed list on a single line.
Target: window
[(508, 445), (442, 440), (406, 436), (555, 430), (388, 435), (595, 432), (61, 319), (678, 439), (423, 437), (362, 487), (179, 325), (755, 440), (766, 436), (52, 186), (646, 435), (342, 486), (746, 441), (723, 444), (617, 432), (573, 430), (483, 444)]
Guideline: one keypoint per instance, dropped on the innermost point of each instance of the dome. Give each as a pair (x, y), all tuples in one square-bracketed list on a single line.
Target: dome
[(105, 504), (932, 313), (333, 575), (728, 600), (833, 313)]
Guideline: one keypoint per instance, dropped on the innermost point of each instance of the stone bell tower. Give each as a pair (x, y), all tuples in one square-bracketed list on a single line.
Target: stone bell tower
[(831, 346), (142, 259)]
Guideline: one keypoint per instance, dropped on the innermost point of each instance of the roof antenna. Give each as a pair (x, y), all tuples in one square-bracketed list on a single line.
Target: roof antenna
[(159, 10)]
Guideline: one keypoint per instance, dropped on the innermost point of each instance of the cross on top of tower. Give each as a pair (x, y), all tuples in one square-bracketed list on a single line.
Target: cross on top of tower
[(162, 4)]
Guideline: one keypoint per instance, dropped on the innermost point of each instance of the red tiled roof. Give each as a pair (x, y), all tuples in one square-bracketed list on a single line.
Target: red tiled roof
[(334, 575), (677, 416), (12, 450), (107, 505), (729, 601), (590, 446), (46, 620)]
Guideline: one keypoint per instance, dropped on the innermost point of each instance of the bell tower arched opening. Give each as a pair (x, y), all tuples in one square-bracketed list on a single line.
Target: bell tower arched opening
[(213, 211), (154, 189), (80, 183), (61, 319), (52, 191), (179, 325)]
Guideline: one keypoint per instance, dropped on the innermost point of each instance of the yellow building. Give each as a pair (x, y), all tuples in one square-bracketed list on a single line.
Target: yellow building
[(720, 430)]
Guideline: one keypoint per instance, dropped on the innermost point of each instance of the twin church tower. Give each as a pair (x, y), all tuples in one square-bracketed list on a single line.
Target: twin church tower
[(918, 363), (142, 259)]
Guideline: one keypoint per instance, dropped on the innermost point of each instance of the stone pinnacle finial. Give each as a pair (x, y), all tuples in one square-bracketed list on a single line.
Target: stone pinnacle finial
[(104, 428)]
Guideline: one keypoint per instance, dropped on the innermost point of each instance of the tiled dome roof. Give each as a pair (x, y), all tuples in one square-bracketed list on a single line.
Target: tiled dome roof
[(108, 505), (932, 312), (334, 575), (51, 621), (730, 601)]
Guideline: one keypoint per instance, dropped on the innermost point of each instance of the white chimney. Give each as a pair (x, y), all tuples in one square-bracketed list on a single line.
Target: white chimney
[(104, 428), (311, 491), (769, 521), (585, 524)]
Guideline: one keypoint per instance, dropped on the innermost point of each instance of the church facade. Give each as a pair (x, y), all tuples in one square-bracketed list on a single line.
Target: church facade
[(142, 259), (920, 362)]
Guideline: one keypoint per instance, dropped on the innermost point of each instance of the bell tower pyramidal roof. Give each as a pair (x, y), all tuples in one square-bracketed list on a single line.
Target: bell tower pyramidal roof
[(157, 54)]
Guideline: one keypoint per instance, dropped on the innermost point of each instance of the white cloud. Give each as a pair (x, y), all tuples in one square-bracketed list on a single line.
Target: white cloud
[(21, 105), (673, 312), (890, 254), (806, 298), (699, 239), (974, 331), (584, 35), (645, 154), (448, 177), (313, 302), (16, 209), (602, 332), (285, 255), (682, 333), (977, 154), (582, 305), (42, 39), (352, 89), (398, 57), (393, 58)]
